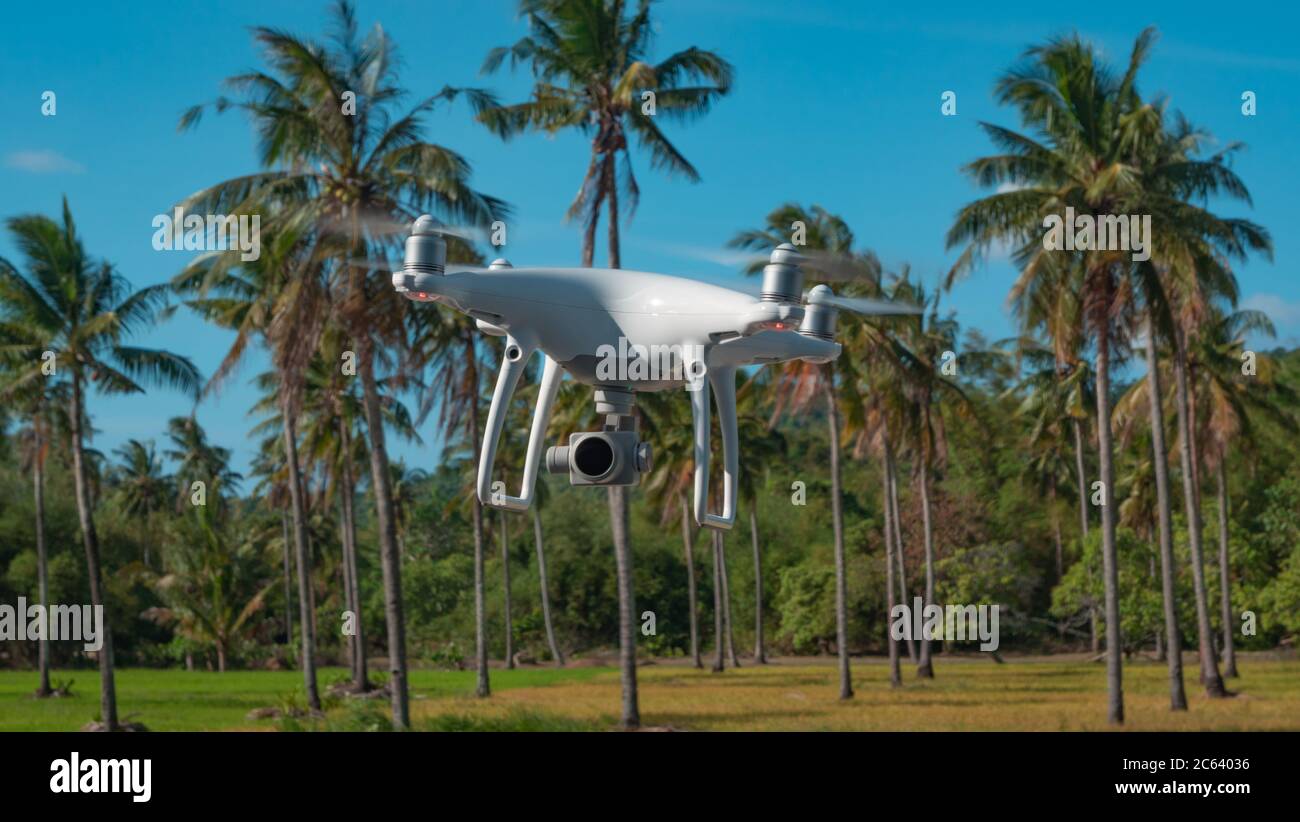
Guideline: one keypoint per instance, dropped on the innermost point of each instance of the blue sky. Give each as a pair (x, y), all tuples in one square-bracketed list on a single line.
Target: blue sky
[(835, 103)]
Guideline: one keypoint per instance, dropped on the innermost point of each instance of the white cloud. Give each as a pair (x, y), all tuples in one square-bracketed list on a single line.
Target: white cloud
[(42, 161), (1280, 310)]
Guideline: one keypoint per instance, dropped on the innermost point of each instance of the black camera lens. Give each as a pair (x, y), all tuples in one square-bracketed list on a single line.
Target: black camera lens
[(593, 456)]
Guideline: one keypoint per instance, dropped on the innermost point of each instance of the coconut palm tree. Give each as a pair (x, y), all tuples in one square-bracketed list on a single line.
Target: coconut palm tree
[(278, 300), (448, 343), (43, 404), (83, 311), (588, 60), (350, 172), (198, 459), (800, 385), (141, 485), (212, 588), (1079, 155), (1232, 401)]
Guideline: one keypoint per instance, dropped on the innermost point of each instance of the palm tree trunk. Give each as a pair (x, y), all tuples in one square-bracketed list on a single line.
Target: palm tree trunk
[(221, 657), (627, 626), (619, 505), (898, 541), (760, 652), (726, 607), (1109, 558), (483, 687), (1209, 662), (1056, 533), (360, 676), (1173, 641), (546, 597), (837, 521), (347, 587), (1225, 571), (389, 559), (505, 571), (42, 560), (691, 596), (719, 642), (895, 674), (925, 670), (90, 541), (288, 587), (305, 608), (1082, 478)]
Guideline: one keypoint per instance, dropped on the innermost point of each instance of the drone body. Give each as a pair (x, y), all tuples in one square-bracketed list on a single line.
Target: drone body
[(622, 332)]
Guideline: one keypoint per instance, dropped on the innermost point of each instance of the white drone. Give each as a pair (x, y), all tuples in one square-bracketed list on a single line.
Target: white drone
[(621, 332)]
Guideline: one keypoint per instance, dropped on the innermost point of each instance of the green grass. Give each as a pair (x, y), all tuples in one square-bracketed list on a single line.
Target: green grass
[(794, 694), (174, 700)]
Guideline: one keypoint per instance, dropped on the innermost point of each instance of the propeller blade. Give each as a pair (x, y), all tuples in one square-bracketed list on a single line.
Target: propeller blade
[(375, 265), (728, 257), (385, 225), (863, 305), (835, 267)]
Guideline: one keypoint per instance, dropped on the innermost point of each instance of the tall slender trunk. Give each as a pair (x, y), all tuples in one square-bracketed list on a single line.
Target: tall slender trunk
[(895, 674), (347, 587), (360, 675), (760, 652), (1094, 638), (719, 642), (619, 509), (505, 573), (288, 575), (1225, 570), (42, 560), (925, 669), (627, 625), (1209, 662), (546, 596), (90, 541), (898, 542), (1109, 558), (837, 522), (1173, 641), (1082, 478), (691, 596), (483, 686), (389, 559), (305, 608), (726, 608)]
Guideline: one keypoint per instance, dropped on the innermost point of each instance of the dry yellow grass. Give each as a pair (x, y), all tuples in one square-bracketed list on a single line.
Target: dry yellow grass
[(1022, 695)]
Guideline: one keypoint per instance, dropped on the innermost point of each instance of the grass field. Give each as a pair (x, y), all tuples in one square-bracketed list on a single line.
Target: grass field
[(1028, 694)]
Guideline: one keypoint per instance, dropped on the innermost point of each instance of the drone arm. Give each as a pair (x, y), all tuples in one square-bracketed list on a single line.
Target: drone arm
[(723, 382), (516, 359)]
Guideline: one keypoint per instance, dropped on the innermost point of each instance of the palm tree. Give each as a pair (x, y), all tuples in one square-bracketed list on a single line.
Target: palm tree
[(141, 484), (198, 459), (1231, 400), (82, 310), (446, 341), (212, 589), (924, 339), (43, 402), (799, 385), (352, 179), (279, 300), (1079, 156), (587, 58)]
